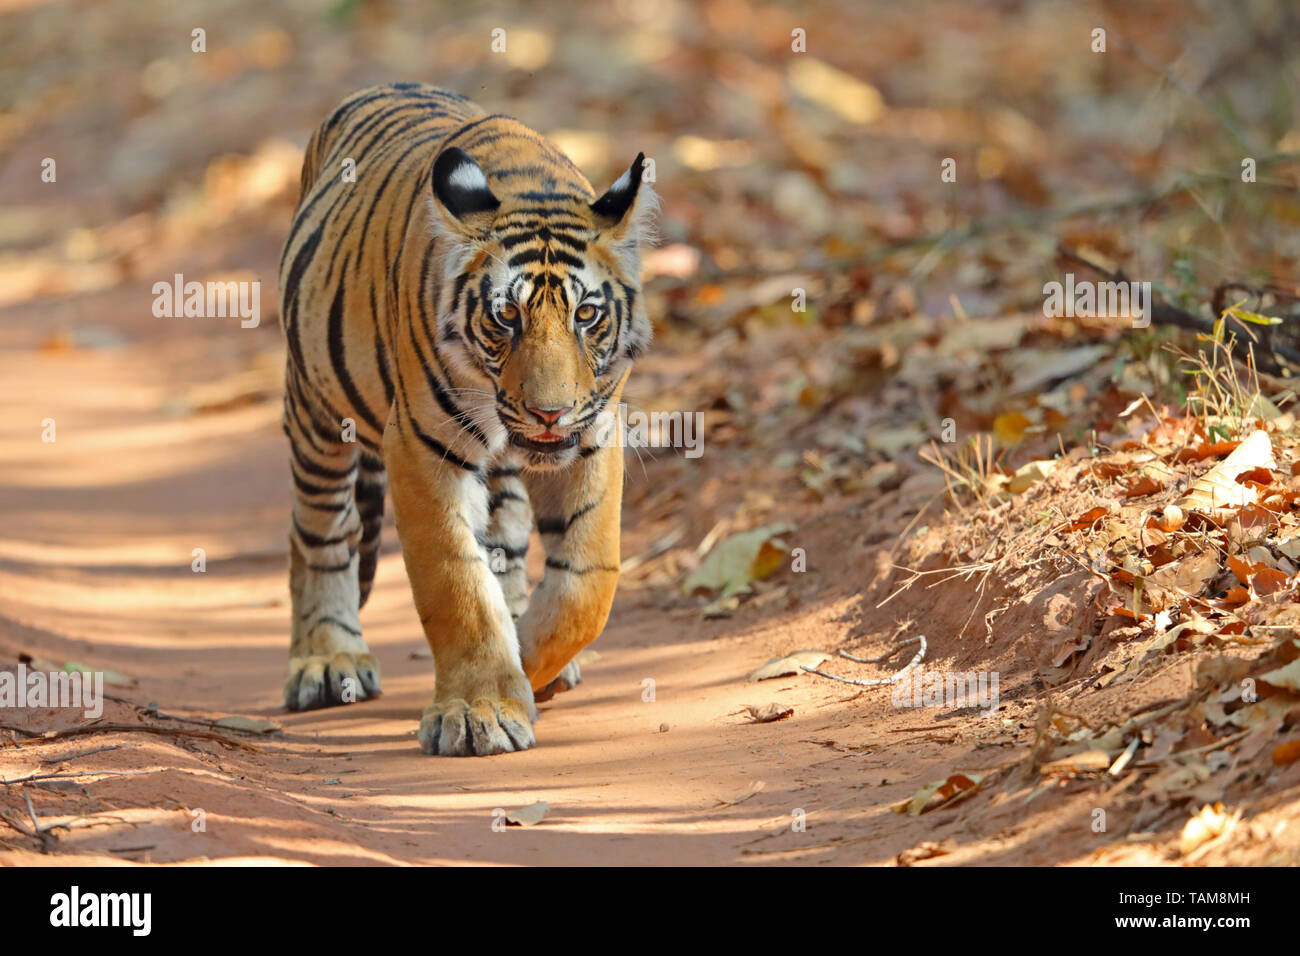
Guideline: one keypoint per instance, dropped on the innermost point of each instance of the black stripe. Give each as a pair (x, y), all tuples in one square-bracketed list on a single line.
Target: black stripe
[(512, 554), (562, 525), (320, 471), (339, 361), (315, 540), (334, 620), (546, 233), (565, 566), (309, 489), (292, 287), (335, 506), (545, 254), (331, 568), (550, 197), (454, 411), (437, 447), (497, 497), (549, 214)]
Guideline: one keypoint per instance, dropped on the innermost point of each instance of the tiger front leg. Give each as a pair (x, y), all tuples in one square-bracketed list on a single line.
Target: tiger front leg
[(578, 512), (329, 661), (510, 521), (482, 701)]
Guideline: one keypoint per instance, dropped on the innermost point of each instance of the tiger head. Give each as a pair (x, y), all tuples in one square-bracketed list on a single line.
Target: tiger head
[(540, 305)]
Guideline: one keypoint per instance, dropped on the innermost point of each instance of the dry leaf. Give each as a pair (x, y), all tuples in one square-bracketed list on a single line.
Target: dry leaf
[(1269, 581), (1286, 678), (790, 664), (1171, 519), (1089, 761), (754, 788), (1219, 488), (1211, 822), (1144, 485), (731, 565), (768, 713), (927, 850), (1085, 520), (527, 816), (946, 791), (1030, 474), (111, 677), (1287, 753), (1009, 429), (250, 724)]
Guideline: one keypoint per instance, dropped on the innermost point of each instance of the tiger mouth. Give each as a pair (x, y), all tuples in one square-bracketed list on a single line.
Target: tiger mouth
[(544, 447)]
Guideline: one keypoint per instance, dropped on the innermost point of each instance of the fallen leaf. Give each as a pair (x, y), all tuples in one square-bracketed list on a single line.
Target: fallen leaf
[(1193, 573), (1291, 546), (111, 677), (754, 788), (1287, 753), (1287, 677), (1209, 823), (768, 713), (946, 791), (252, 725), (790, 664), (1269, 581), (1219, 488), (1089, 761), (1171, 519), (731, 565), (1009, 429), (927, 850), (1241, 568), (1085, 520), (528, 816), (1030, 474), (1177, 780), (722, 607), (1143, 485)]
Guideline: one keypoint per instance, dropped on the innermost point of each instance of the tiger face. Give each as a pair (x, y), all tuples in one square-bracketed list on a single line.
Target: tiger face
[(543, 309)]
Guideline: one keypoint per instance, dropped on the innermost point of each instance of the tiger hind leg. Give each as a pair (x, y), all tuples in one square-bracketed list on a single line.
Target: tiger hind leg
[(372, 483), (333, 536)]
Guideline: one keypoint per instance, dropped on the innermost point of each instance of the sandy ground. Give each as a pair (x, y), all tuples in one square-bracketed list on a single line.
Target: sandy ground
[(95, 567)]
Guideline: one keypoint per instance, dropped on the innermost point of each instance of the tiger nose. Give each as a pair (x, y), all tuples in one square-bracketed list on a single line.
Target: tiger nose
[(550, 415)]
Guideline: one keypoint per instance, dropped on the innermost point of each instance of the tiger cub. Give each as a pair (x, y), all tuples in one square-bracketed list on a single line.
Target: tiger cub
[(459, 309)]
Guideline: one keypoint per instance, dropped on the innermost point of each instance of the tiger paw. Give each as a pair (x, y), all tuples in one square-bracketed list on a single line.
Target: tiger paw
[(568, 679), (320, 680), (455, 728)]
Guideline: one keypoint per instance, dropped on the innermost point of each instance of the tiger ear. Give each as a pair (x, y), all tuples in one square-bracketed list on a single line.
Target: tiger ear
[(462, 189), (628, 205)]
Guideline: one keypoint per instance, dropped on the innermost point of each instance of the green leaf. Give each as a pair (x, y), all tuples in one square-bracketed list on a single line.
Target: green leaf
[(1253, 317)]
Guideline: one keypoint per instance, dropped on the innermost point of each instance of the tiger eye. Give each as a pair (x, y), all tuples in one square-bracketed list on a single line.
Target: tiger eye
[(508, 312), (586, 312)]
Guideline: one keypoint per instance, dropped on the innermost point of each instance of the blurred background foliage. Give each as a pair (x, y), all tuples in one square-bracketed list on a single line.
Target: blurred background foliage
[(817, 170)]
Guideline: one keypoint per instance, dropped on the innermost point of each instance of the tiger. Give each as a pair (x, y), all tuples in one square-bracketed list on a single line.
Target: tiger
[(460, 311)]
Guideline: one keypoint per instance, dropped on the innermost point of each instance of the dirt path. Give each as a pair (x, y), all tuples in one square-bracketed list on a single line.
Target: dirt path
[(95, 567)]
